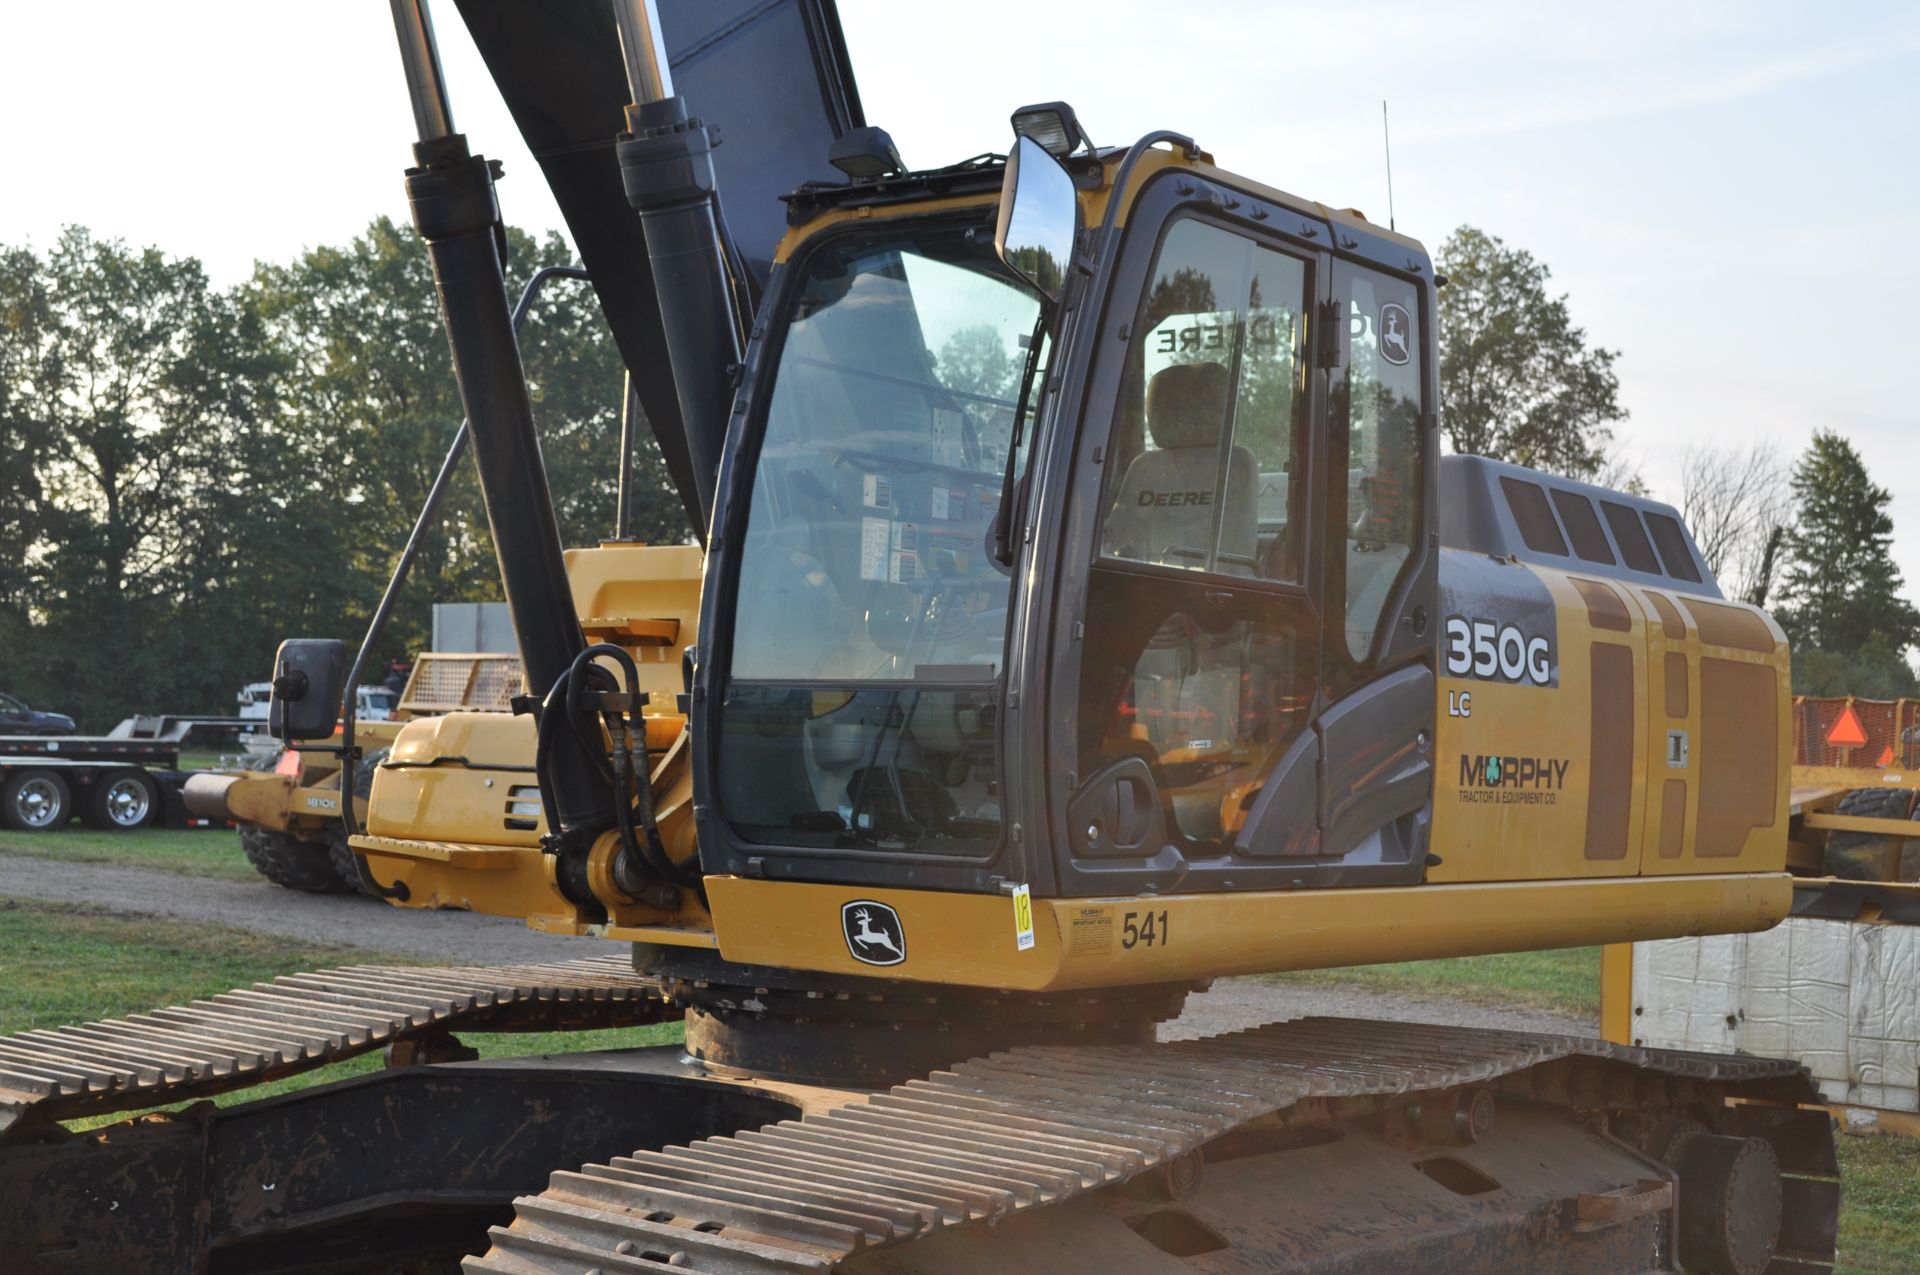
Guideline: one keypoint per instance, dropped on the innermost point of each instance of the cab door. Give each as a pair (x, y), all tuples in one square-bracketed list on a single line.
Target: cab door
[(1232, 705), (1190, 653)]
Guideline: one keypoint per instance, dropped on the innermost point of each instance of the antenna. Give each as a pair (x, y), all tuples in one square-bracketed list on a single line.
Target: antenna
[(1386, 137)]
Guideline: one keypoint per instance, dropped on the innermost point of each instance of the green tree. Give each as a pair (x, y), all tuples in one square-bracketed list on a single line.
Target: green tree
[(25, 313), (1875, 671), (189, 475), (1518, 381), (102, 382), (372, 378), (1840, 592)]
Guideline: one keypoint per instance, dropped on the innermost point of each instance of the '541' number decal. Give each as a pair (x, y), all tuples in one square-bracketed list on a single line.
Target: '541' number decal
[(1497, 652), (1143, 929)]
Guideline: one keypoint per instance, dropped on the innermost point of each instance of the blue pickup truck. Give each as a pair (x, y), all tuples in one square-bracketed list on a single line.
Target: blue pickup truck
[(17, 719)]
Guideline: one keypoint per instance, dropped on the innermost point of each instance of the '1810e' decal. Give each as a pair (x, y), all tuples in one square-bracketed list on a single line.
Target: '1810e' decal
[(1497, 652)]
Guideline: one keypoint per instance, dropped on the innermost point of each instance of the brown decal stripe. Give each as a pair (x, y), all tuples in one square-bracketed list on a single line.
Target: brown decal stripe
[(1739, 761), (1672, 627), (1605, 610), (1676, 678), (1610, 790), (1736, 627), (1673, 818)]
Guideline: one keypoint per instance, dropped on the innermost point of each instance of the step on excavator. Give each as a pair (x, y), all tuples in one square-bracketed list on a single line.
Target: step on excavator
[(1082, 611)]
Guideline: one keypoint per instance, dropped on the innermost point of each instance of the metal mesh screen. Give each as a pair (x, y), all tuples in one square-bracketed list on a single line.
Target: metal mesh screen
[(443, 682)]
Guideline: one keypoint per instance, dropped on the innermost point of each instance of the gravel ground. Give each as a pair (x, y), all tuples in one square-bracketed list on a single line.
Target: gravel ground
[(454, 937), (1233, 1003), (469, 937)]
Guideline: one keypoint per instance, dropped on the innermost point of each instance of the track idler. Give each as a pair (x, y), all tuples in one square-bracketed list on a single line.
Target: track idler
[(1730, 1203)]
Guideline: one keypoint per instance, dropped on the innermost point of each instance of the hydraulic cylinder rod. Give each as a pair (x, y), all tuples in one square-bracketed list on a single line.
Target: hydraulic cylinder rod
[(666, 163), (454, 208), (632, 421)]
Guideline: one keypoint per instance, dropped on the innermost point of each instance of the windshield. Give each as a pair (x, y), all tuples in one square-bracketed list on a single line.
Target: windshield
[(879, 477), (870, 622)]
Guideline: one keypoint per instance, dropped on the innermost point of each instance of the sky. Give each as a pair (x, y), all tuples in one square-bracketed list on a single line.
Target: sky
[(1729, 193)]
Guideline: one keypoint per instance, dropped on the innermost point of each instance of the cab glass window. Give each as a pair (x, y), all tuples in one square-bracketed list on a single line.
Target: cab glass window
[(879, 476), (860, 714), (1211, 405), (1377, 408)]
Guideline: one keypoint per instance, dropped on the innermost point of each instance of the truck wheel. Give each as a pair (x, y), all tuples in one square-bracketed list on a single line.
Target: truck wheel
[(345, 863), (1867, 856), (289, 861), (36, 801), (121, 801)]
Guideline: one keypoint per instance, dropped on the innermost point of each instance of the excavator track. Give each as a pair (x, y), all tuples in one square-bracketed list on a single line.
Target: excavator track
[(298, 1022), (1033, 1127)]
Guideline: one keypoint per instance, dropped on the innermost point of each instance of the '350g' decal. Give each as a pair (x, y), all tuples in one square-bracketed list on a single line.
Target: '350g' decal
[(1497, 652)]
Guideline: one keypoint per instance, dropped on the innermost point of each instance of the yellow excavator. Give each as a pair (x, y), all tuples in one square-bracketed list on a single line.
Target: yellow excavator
[(1082, 611)]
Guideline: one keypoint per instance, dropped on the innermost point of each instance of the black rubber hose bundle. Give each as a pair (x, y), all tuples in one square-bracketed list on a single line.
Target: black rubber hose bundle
[(628, 777)]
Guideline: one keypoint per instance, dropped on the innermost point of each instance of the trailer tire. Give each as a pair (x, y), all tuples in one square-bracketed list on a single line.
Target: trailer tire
[(288, 861), (36, 801), (1867, 856), (346, 864), (121, 801)]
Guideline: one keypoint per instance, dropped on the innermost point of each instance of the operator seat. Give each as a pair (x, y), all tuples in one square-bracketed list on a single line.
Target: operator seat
[(1165, 508)]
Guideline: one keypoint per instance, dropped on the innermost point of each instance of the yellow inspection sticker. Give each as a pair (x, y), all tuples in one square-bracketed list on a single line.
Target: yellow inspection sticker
[(1022, 917)]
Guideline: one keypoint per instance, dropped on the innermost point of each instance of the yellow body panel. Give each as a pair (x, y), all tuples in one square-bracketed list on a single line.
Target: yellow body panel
[(500, 880), (473, 803), (971, 938), (1535, 828), (645, 598), (1568, 824)]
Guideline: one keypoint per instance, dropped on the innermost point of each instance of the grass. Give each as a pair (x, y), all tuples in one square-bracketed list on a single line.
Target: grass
[(1566, 981), (193, 852), (1879, 1205), (65, 964)]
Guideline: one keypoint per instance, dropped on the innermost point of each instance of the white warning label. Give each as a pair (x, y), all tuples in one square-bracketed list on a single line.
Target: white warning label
[(875, 543), (1022, 917)]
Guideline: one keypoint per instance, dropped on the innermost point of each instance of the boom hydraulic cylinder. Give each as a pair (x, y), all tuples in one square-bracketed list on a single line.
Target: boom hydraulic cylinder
[(454, 208)]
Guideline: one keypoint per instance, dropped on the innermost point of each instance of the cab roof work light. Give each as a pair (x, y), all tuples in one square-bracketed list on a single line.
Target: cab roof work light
[(1053, 126)]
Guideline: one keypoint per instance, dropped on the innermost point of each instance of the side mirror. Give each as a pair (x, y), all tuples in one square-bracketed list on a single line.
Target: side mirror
[(309, 675), (1039, 214)]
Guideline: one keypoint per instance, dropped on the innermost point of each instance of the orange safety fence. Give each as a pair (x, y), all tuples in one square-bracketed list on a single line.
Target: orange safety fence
[(1848, 731)]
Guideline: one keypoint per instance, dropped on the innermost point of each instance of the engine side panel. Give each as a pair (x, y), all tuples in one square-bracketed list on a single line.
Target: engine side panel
[(1600, 727)]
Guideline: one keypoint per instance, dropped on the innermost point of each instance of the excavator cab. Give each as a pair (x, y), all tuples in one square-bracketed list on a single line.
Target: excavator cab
[(1058, 566)]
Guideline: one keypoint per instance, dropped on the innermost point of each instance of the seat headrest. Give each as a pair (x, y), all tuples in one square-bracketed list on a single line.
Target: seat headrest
[(1187, 405)]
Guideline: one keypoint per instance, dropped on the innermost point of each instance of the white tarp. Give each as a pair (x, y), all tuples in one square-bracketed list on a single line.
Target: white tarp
[(1842, 997)]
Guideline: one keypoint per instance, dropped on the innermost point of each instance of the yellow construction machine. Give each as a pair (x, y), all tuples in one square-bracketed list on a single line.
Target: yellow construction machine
[(289, 816), (1084, 611)]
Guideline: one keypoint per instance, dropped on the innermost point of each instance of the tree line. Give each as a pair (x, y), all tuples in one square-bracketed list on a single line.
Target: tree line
[(189, 474)]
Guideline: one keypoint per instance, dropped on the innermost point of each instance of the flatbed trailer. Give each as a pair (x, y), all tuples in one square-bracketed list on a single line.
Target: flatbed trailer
[(128, 779)]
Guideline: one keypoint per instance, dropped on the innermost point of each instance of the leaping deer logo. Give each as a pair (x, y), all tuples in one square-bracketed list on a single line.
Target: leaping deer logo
[(1394, 325), (874, 934)]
